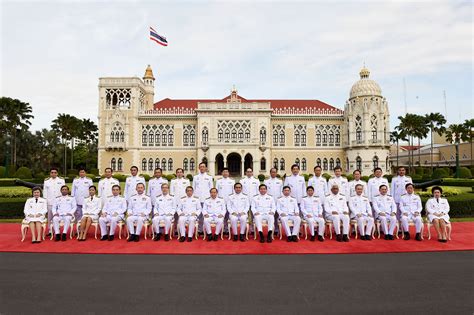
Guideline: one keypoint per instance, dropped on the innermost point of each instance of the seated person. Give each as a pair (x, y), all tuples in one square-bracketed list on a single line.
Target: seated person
[(189, 209), (361, 211), (385, 210), (164, 210), (238, 206), (63, 209), (410, 208), (336, 210), (213, 211), (264, 208), (312, 209), (288, 209), (437, 209), (35, 214), (90, 212), (139, 209), (112, 213)]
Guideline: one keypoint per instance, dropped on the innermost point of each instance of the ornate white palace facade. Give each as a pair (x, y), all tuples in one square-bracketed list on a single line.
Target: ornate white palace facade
[(237, 133)]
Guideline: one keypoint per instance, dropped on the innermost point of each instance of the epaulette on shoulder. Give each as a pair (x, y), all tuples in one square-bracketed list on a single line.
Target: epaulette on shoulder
[(342, 195), (404, 194), (184, 197)]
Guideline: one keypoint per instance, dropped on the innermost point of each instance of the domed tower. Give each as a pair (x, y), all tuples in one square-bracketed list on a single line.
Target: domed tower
[(366, 128), (149, 81)]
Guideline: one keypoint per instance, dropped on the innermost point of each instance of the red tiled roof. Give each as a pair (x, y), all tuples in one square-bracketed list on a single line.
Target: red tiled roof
[(274, 104), (410, 147)]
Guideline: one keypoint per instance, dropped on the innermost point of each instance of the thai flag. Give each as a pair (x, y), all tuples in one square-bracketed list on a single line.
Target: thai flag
[(157, 38)]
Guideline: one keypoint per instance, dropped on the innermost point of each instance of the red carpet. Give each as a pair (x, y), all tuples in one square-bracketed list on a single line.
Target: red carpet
[(10, 241)]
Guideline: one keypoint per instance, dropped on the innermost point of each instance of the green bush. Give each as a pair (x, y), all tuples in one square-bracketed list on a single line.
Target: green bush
[(146, 176), (3, 171), (261, 177), (93, 177), (7, 182), (94, 171), (418, 171), (23, 173), (120, 177), (439, 173), (15, 192), (40, 175), (350, 177), (306, 177), (365, 178), (190, 177), (388, 177), (73, 172), (464, 172), (458, 182), (460, 206), (326, 175), (170, 177), (12, 208)]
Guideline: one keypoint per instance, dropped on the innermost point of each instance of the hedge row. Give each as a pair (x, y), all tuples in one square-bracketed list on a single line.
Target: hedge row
[(461, 206)]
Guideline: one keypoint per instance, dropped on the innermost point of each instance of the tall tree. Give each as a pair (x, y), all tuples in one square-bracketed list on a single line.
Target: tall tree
[(409, 125), (397, 136), (469, 125), (421, 133), (435, 122), (455, 134), (64, 125)]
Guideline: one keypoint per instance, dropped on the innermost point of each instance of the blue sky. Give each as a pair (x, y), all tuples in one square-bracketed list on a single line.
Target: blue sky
[(52, 53)]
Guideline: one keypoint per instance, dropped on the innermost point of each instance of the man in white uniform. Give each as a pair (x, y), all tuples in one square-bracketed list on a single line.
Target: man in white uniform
[(288, 210), (225, 185), (178, 185), (385, 210), (296, 183), (274, 188), (51, 190), (398, 186), (113, 212), (361, 211), (188, 211), (106, 184), (319, 183), (80, 191), (340, 181), (64, 208), (238, 206), (214, 211), (154, 185), (375, 183), (357, 181), (202, 184), (336, 210), (164, 210), (139, 209), (264, 208), (250, 184), (312, 209), (410, 207), (131, 183)]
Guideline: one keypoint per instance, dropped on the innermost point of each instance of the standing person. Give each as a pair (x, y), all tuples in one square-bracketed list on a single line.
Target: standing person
[(410, 207), (179, 184), (238, 206), (336, 210), (64, 208), (139, 208), (361, 211), (131, 183), (225, 185), (296, 183), (437, 210), (35, 211), (52, 189), (188, 211), (340, 181), (106, 184), (357, 181), (385, 210), (288, 209), (375, 183), (214, 211), (398, 186), (90, 212), (250, 184), (202, 184), (312, 209), (319, 183), (113, 212), (154, 185), (164, 210), (274, 187), (80, 191), (264, 208)]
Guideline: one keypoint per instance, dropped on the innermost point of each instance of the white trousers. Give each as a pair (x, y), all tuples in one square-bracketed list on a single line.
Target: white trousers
[(365, 224), (113, 224), (57, 220), (235, 219), (168, 220), (406, 219), (336, 221), (191, 220), (296, 224), (270, 218), (219, 222), (135, 224), (316, 221), (388, 223)]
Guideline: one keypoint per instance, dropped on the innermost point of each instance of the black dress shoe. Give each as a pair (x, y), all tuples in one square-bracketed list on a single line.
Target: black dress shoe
[(295, 238), (289, 238), (137, 238), (64, 237), (313, 238), (158, 236), (262, 238), (236, 238), (269, 237), (190, 239), (103, 238), (155, 238), (111, 237), (167, 237), (418, 237), (320, 238), (345, 238), (368, 238), (131, 238), (387, 237), (339, 237), (242, 237), (209, 237), (216, 237), (392, 237), (443, 241), (182, 239), (407, 236)]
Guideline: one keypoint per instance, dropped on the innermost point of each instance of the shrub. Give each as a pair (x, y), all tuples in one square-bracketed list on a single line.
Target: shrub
[(23, 173), (306, 177), (464, 172), (388, 177), (326, 175), (190, 177), (419, 171), (7, 182), (93, 177), (146, 176), (120, 177), (439, 173), (350, 177), (15, 192), (12, 207), (3, 171), (170, 177), (365, 178), (458, 182), (261, 177), (94, 171), (40, 175), (72, 172)]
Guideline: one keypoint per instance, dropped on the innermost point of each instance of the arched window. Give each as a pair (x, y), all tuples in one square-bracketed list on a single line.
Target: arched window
[(338, 137), (227, 135), (275, 163), (282, 137), (112, 164), (303, 164), (282, 164), (275, 138), (144, 137), (297, 138), (144, 164), (122, 136), (297, 162), (117, 136), (185, 138), (303, 137), (157, 163), (157, 138), (170, 164), (112, 136), (331, 137), (192, 138), (263, 135), (318, 162), (359, 163), (150, 164), (331, 163), (338, 162), (185, 164), (234, 134), (247, 134), (120, 164), (373, 127), (163, 164), (358, 125), (164, 138), (220, 135), (325, 164), (205, 135), (375, 162), (191, 164), (325, 137), (263, 164), (318, 138), (151, 138), (170, 137)]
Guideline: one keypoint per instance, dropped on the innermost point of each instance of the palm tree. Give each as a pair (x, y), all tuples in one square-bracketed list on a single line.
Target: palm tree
[(469, 125), (409, 125), (455, 134), (421, 133), (64, 126), (435, 122), (395, 137)]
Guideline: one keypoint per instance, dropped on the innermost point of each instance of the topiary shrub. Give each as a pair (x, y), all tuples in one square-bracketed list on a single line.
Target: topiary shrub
[(94, 171), (464, 172), (23, 173), (72, 172), (439, 173), (365, 178), (3, 171), (170, 177), (120, 177), (350, 177), (146, 176), (306, 177), (190, 177), (388, 177), (326, 175), (261, 177)]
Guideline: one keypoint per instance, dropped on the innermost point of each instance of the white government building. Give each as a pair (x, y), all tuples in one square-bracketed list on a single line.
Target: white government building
[(237, 133)]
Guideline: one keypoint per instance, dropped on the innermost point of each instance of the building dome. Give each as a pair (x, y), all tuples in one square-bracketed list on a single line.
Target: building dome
[(365, 86), (148, 73)]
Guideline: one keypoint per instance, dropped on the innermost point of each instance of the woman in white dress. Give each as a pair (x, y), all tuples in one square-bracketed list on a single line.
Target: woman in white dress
[(35, 211), (437, 209), (90, 212)]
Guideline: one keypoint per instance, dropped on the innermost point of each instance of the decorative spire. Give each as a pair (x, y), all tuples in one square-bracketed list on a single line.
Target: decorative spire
[(148, 73), (364, 72)]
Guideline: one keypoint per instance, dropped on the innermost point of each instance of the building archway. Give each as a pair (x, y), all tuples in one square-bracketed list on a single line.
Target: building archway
[(248, 161), (219, 164), (234, 163)]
